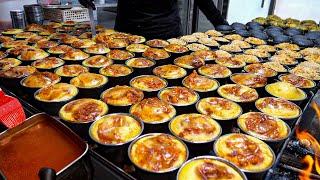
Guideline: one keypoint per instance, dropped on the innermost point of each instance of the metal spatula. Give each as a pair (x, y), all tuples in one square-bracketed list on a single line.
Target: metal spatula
[(92, 22)]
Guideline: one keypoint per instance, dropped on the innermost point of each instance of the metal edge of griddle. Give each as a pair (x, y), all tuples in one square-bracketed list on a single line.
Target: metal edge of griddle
[(119, 172), (284, 146), (36, 118)]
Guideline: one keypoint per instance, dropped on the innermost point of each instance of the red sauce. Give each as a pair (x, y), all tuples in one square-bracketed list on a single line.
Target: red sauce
[(25, 153)]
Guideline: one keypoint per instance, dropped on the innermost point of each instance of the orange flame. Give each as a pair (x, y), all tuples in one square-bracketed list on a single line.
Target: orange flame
[(310, 141), (308, 160)]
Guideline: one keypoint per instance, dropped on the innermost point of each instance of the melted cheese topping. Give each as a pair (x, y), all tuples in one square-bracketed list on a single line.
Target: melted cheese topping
[(223, 54), (40, 79), (12, 44), (46, 44), (12, 31), (71, 70), (158, 153), (255, 41), (18, 72), (189, 61), (97, 61), (208, 168), (221, 39), (259, 69), (120, 55), (286, 90), (117, 43), (135, 39), (69, 39), (61, 49), (219, 108), (148, 83), (177, 41), (196, 128), (214, 71), (83, 110), (89, 80), (197, 47), (241, 44), (247, 152), (276, 66), (207, 55), (230, 62), (170, 71), (284, 59), (189, 38), (156, 54), (233, 37), (257, 52), (200, 83), (138, 48), (56, 93), (313, 57), (176, 48), (246, 58), (140, 63), (122, 96), (208, 42), (213, 33), (116, 70), (238, 93), (230, 48), (288, 46), (153, 111), (8, 63), (33, 54), (179, 96), (97, 49), (250, 80), (297, 81), (263, 126), (157, 43), (48, 63), (115, 129), (267, 48), (292, 54), (24, 35), (278, 107), (83, 43), (74, 55)]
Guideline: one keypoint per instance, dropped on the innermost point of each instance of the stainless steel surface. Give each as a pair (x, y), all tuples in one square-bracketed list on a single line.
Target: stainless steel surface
[(18, 19)]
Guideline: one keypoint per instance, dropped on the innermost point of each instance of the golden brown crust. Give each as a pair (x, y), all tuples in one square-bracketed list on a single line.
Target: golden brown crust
[(122, 55), (259, 69), (116, 70), (214, 71), (157, 43), (71, 70), (189, 61), (122, 96), (40, 79), (250, 80), (48, 63), (18, 72), (156, 54)]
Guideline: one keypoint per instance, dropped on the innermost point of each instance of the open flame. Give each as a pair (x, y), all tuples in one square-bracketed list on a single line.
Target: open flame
[(308, 160), (311, 142)]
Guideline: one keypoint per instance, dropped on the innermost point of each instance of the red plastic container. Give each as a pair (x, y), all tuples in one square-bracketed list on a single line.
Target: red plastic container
[(11, 111)]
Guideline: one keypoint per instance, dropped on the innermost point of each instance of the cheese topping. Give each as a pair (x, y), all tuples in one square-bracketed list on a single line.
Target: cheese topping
[(179, 96), (195, 128), (278, 107), (153, 110), (219, 108), (238, 93), (122, 96), (158, 153), (115, 129), (200, 83)]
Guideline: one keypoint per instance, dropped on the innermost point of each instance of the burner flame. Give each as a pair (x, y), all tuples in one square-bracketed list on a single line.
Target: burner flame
[(310, 142), (308, 160)]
